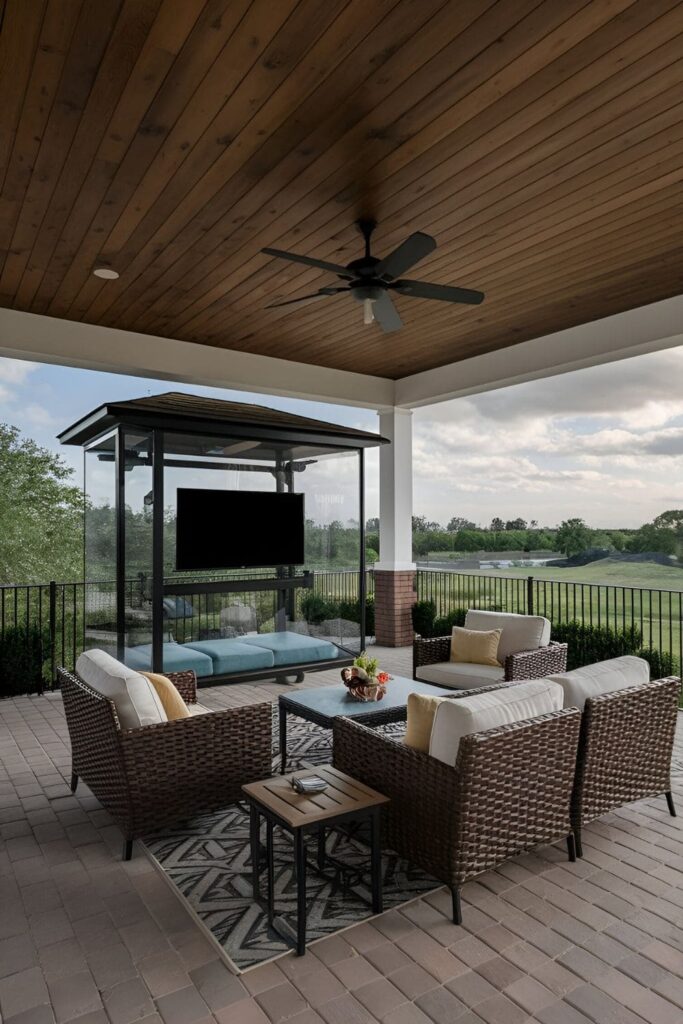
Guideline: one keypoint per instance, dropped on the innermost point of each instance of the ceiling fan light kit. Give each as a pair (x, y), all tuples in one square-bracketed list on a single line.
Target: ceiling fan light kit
[(370, 280)]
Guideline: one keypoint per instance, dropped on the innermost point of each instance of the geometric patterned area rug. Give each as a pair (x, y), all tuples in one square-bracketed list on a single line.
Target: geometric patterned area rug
[(207, 861)]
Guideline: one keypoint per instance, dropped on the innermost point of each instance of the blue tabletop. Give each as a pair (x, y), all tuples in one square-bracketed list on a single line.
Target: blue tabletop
[(332, 701)]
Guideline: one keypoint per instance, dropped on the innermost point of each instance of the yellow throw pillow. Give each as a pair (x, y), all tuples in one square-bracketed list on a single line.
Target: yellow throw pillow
[(173, 704), (421, 711), (475, 646)]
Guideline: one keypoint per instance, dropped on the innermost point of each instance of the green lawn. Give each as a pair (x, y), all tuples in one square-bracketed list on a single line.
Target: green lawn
[(608, 571)]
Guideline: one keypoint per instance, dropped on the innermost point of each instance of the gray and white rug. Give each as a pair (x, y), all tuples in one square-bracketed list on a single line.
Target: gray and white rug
[(207, 860)]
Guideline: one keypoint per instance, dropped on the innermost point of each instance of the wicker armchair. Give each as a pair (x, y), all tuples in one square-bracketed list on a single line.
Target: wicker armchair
[(158, 775), (508, 792), (536, 664), (625, 750)]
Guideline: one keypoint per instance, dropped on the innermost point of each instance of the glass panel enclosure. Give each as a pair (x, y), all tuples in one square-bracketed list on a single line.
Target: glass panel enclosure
[(136, 447), (100, 624), (161, 618)]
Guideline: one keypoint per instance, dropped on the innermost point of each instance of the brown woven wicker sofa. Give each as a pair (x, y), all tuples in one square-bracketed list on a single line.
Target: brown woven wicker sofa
[(626, 740), (526, 652), (508, 792), (157, 775)]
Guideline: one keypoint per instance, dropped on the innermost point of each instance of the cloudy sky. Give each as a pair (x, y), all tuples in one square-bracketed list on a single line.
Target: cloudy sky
[(605, 443)]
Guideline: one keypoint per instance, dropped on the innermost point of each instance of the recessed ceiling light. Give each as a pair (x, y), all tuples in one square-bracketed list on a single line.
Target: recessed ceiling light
[(106, 273)]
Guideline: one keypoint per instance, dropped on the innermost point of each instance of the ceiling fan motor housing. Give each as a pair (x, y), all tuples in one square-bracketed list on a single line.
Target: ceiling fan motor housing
[(362, 290)]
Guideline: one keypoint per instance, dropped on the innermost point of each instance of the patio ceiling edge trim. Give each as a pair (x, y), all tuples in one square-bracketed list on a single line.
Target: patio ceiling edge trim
[(33, 336), (650, 328), (46, 339)]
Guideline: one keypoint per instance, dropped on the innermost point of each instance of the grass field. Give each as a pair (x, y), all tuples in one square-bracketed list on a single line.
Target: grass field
[(605, 593), (608, 571)]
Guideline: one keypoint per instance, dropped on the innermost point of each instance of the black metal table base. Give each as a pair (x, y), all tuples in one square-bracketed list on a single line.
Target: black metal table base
[(297, 937)]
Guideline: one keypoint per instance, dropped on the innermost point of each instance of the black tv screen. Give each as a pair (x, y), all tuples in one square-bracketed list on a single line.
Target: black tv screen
[(238, 529)]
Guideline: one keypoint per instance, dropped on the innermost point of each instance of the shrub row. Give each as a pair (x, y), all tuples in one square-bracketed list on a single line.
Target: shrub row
[(23, 650), (315, 609)]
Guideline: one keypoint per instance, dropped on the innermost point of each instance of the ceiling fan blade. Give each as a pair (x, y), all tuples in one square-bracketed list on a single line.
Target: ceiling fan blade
[(408, 253), (322, 294), (308, 261), (442, 292), (386, 314)]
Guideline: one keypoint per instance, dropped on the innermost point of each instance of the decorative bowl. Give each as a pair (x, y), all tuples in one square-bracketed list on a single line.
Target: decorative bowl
[(361, 686)]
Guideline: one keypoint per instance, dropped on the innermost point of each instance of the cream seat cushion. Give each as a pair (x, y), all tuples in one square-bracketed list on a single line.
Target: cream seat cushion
[(457, 718), (520, 632), (134, 697), (602, 677), (461, 675)]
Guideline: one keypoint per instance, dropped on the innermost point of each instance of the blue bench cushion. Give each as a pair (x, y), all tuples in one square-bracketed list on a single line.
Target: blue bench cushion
[(177, 658), (290, 648), (229, 656)]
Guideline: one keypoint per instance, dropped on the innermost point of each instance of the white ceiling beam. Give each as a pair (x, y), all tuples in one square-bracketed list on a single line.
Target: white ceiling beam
[(48, 339), (645, 329)]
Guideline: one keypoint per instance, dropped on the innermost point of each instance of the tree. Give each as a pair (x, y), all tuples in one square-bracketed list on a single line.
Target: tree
[(497, 525), (651, 538), (516, 524), (41, 513), (459, 523), (422, 525), (671, 520), (573, 536)]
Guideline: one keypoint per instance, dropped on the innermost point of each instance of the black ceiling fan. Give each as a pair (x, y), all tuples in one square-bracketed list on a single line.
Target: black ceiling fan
[(370, 280)]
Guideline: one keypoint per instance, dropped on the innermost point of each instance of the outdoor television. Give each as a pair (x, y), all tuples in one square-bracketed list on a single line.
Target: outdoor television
[(238, 529)]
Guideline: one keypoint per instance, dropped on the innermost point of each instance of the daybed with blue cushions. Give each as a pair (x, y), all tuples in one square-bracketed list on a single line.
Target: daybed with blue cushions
[(264, 656)]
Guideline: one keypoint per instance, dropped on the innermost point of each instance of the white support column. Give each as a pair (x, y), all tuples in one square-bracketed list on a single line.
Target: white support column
[(396, 491), (395, 571)]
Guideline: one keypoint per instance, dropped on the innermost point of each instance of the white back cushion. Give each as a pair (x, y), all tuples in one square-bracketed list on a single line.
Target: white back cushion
[(460, 717), (602, 677), (520, 632), (134, 697)]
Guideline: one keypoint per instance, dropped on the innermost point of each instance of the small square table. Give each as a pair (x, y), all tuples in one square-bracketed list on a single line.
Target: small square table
[(325, 703), (344, 799)]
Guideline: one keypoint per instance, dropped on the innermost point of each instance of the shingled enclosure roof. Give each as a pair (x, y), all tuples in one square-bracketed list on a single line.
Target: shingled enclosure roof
[(178, 411)]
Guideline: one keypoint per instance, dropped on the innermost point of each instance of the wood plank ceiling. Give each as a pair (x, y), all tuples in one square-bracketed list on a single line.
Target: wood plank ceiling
[(539, 141)]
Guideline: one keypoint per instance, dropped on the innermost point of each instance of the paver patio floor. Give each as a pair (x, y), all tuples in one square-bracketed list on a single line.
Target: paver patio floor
[(85, 937)]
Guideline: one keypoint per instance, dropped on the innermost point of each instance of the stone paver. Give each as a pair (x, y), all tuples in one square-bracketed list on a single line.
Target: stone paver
[(86, 938)]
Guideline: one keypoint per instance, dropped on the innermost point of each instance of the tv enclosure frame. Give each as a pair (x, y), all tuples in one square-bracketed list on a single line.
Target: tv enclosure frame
[(260, 541)]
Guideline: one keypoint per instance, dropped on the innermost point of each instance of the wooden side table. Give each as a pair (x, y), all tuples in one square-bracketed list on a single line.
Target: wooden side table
[(345, 799)]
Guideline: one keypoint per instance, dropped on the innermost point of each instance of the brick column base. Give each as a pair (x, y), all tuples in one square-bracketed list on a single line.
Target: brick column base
[(394, 599)]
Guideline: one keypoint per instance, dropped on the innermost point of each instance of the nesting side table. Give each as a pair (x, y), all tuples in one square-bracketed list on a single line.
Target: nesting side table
[(345, 799)]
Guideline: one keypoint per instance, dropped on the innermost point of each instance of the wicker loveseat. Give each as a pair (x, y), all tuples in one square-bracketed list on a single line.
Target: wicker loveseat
[(508, 791), (627, 736), (525, 652), (157, 775)]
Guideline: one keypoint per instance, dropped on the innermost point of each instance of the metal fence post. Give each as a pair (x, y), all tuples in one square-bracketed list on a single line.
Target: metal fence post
[(530, 595), (53, 632)]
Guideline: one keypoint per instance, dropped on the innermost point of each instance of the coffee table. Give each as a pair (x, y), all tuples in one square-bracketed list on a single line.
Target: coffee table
[(325, 703), (345, 799)]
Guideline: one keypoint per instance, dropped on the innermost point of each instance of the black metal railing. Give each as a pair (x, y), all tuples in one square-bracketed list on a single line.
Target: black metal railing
[(50, 624), (653, 615), (57, 618)]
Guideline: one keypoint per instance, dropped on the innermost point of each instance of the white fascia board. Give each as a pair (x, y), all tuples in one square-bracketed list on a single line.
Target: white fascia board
[(48, 339), (634, 332)]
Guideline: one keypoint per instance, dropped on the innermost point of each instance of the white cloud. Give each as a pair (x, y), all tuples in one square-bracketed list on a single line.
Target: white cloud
[(604, 443)]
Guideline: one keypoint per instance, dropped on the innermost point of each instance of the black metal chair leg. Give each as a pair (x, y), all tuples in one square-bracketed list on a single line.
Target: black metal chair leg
[(457, 907), (670, 803), (577, 842), (127, 849), (74, 782), (571, 846)]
